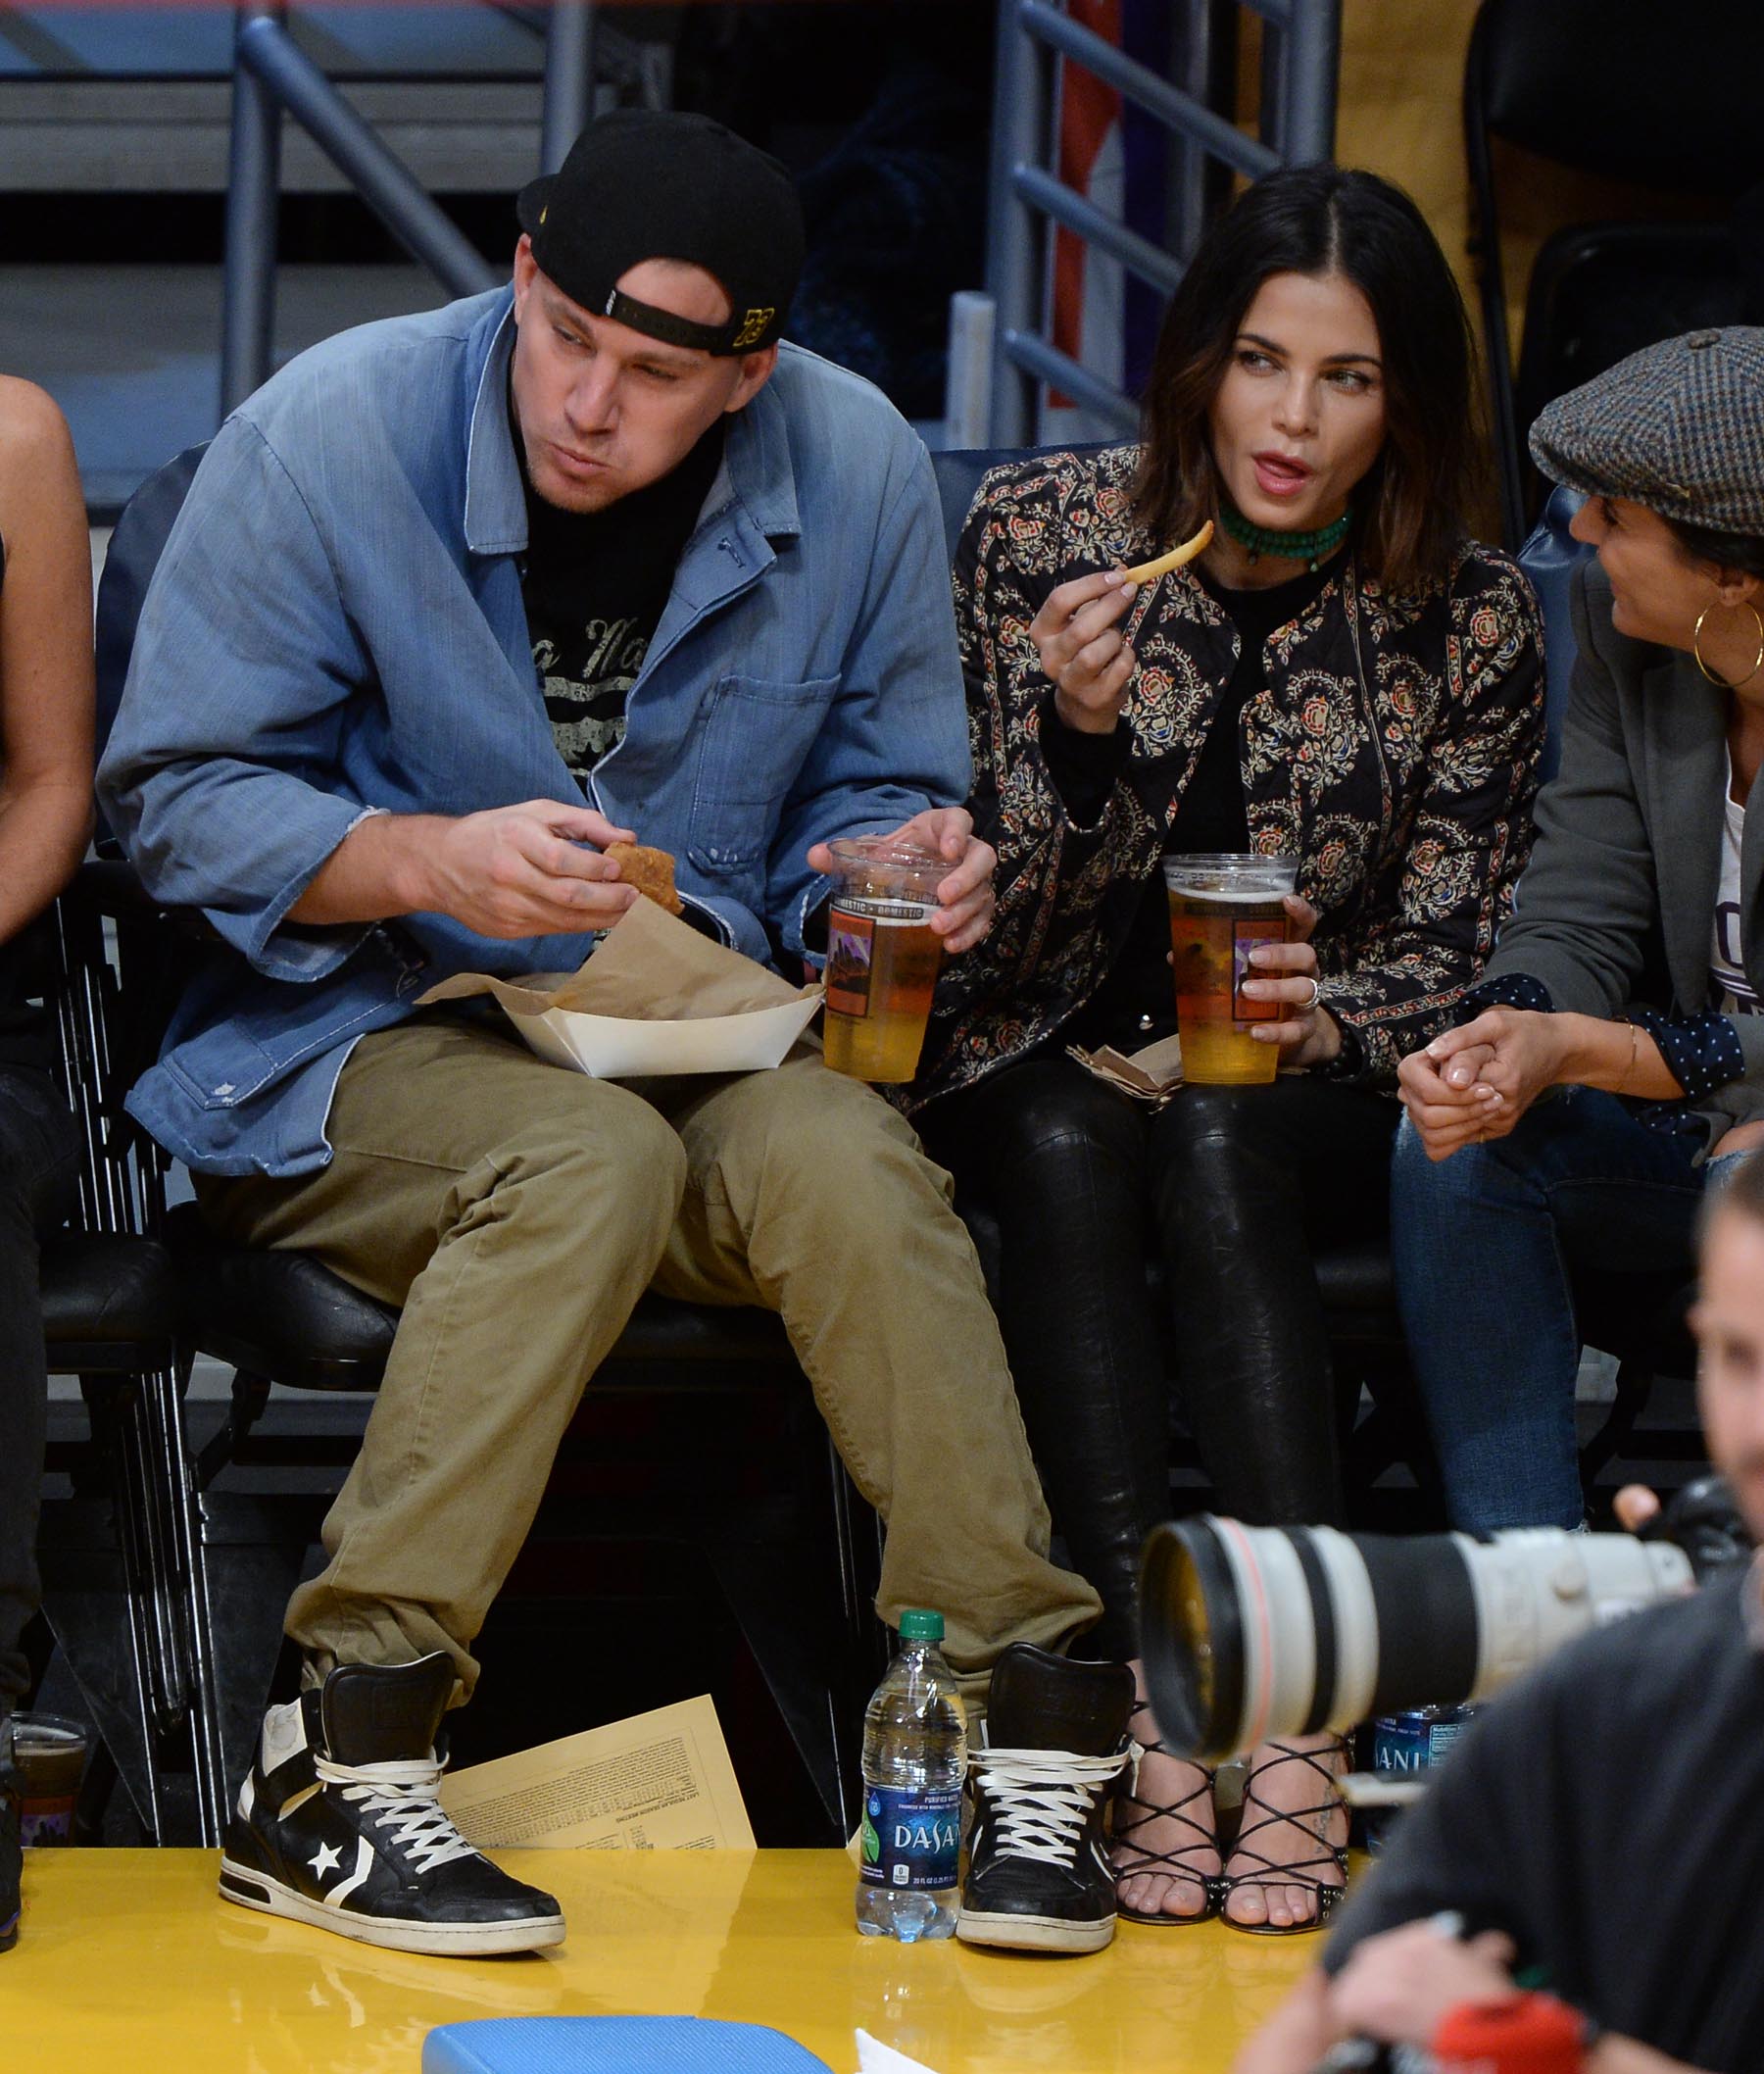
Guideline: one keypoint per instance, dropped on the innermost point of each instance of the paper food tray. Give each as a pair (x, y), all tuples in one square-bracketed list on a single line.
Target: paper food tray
[(619, 1016), (614, 1048)]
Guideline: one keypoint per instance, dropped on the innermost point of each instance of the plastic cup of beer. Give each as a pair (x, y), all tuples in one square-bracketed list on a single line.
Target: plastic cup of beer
[(882, 957), (1221, 907), (49, 1755)]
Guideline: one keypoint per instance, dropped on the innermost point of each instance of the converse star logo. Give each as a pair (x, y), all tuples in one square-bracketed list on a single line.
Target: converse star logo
[(326, 1861)]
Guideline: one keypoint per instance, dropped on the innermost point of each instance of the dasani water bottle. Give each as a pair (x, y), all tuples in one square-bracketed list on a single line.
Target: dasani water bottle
[(915, 1758)]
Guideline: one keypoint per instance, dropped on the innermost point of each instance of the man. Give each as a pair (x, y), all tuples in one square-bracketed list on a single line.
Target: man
[(455, 603), (1601, 1831)]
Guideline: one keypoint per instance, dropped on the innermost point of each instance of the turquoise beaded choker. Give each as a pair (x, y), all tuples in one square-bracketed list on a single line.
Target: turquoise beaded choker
[(1311, 548)]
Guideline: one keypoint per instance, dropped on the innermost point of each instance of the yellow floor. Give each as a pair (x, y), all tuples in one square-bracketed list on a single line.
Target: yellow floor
[(129, 1965)]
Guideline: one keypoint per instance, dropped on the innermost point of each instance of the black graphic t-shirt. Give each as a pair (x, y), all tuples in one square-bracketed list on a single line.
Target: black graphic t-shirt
[(596, 584)]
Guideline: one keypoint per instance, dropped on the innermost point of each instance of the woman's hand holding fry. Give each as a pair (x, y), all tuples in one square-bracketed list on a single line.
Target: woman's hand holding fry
[(1083, 652), (1084, 655)]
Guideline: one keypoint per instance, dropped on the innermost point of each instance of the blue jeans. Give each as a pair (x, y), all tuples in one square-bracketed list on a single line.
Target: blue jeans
[(1484, 1244)]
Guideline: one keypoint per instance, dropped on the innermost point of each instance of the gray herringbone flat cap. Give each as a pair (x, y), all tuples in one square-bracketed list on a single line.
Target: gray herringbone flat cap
[(1677, 426)]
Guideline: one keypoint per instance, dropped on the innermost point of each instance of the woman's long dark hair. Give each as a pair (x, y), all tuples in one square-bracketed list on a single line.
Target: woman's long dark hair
[(1316, 219)]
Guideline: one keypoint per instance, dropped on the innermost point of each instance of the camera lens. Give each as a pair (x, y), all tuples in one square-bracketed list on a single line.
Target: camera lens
[(1250, 1632)]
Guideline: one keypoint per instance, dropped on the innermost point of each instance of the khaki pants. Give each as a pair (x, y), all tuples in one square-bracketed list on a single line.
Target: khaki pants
[(516, 1212)]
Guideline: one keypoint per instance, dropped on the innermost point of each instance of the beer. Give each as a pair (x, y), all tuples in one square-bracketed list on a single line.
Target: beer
[(882, 961), (882, 957), (1221, 907)]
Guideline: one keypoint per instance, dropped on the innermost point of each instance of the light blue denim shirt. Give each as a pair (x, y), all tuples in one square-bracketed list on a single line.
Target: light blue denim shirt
[(336, 629)]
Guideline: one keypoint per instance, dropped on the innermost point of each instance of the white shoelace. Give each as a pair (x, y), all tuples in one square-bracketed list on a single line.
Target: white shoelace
[(1043, 1798), (403, 1798)]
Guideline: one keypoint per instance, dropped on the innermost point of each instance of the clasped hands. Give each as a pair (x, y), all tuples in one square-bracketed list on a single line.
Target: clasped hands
[(1475, 1082), (538, 869)]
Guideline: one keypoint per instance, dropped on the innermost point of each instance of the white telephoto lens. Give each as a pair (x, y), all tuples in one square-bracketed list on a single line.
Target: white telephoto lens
[(1537, 1586), (1280, 1644), (1354, 1615)]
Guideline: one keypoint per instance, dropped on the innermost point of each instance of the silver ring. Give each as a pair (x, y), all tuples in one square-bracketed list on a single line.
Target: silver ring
[(1316, 995)]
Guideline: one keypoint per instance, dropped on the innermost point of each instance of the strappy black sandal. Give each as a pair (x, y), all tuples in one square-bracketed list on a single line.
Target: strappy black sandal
[(1259, 1814), (1170, 1862)]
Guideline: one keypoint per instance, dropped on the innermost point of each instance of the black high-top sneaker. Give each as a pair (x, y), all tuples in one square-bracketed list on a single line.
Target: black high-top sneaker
[(1053, 1741), (340, 1823), (12, 1857)]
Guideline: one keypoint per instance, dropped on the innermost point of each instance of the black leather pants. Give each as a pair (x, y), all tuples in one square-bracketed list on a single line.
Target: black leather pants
[(1229, 1186)]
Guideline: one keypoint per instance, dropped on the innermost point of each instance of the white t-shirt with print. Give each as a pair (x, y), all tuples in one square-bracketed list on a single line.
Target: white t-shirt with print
[(1733, 993)]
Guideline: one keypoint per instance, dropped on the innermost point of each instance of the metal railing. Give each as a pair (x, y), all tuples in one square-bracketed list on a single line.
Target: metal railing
[(272, 77), (1037, 40), (142, 1429)]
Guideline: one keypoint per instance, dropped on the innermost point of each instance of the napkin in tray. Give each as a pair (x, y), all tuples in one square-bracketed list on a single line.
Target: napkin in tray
[(655, 997)]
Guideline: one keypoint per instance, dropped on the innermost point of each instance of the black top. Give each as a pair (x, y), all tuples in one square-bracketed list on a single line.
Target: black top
[(1136, 1003), (596, 584), (24, 1026), (1606, 1813)]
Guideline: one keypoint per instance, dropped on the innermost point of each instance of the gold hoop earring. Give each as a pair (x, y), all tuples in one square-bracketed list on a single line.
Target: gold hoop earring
[(1758, 659)]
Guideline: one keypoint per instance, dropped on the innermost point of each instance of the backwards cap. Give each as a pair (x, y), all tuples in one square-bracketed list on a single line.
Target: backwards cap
[(646, 184)]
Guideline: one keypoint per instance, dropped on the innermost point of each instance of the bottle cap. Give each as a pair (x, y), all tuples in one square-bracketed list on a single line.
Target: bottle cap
[(919, 1625)]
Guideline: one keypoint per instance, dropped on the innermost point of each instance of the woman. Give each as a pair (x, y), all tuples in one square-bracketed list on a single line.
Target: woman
[(1630, 975), (45, 818), (1341, 678)]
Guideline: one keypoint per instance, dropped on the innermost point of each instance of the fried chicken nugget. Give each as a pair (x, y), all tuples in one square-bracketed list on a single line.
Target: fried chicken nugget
[(650, 871)]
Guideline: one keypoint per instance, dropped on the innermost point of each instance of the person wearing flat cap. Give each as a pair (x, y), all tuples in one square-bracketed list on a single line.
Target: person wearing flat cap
[(454, 604), (1626, 987)]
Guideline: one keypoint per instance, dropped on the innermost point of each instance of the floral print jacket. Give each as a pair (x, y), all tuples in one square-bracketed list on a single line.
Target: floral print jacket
[(1395, 752)]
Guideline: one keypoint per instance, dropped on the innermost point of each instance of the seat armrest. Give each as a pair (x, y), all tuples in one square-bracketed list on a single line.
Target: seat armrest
[(111, 887)]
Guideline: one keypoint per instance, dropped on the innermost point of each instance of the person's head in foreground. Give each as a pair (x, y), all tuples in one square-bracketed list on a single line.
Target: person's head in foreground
[(1419, 1983), (1668, 450), (652, 283), (1313, 367), (1729, 1323)]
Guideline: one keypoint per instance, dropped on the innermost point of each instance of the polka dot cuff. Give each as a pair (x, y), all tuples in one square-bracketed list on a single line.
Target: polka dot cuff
[(1513, 990), (1703, 1052)]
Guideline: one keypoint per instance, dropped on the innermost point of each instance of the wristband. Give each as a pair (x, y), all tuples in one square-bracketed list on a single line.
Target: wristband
[(1518, 2034)]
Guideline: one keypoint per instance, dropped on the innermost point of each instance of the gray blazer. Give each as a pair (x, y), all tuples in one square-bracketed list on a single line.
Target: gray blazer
[(1617, 907)]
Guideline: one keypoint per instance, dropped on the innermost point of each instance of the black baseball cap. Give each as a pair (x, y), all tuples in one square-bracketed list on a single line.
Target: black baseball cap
[(646, 183)]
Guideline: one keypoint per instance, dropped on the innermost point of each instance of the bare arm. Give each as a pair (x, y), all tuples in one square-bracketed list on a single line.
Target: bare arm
[(45, 659), (1398, 1985), (1298, 2033)]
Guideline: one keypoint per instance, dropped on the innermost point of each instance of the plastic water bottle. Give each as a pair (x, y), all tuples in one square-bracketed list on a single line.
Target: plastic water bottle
[(915, 1758)]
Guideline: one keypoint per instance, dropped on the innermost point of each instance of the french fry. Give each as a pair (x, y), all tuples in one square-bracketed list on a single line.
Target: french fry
[(1150, 572)]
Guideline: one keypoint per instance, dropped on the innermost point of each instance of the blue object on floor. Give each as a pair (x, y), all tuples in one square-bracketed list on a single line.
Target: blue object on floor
[(613, 2045)]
